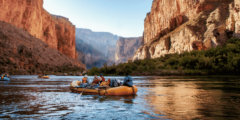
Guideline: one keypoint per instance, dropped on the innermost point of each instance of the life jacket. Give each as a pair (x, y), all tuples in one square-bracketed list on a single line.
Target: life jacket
[(95, 81), (103, 79), (40, 75), (128, 81), (2, 76), (84, 80)]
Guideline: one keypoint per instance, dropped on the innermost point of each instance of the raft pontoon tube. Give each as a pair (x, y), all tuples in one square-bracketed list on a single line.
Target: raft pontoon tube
[(44, 77), (104, 90)]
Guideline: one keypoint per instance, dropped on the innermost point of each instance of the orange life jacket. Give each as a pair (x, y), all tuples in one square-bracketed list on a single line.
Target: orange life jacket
[(84, 80), (95, 81)]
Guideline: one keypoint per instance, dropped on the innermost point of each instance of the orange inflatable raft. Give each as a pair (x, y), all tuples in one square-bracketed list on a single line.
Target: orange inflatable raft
[(104, 90), (44, 77)]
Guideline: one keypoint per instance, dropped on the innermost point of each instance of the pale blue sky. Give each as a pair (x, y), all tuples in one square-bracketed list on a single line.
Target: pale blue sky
[(121, 17)]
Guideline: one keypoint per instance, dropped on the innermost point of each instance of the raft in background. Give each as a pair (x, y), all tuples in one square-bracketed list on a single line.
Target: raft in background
[(44, 77), (4, 78), (104, 90)]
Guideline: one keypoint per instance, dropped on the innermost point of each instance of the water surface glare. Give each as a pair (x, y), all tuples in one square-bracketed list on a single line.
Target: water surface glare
[(168, 97)]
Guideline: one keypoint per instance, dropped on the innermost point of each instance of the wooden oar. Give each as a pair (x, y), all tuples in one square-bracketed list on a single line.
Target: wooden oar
[(83, 91)]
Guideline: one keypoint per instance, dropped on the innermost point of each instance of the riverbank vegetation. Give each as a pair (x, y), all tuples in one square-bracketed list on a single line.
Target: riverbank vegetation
[(219, 60)]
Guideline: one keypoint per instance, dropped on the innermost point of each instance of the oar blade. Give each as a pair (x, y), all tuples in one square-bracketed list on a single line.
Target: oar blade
[(82, 92)]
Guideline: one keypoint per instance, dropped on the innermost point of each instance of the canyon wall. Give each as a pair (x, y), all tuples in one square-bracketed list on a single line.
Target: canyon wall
[(65, 32), (57, 32), (174, 26), (125, 48), (95, 48), (22, 53)]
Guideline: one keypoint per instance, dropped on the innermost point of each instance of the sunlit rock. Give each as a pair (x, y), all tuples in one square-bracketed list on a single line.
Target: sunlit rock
[(175, 26), (58, 32)]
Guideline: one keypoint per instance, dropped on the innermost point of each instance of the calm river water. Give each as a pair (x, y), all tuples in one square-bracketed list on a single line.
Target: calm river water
[(195, 97)]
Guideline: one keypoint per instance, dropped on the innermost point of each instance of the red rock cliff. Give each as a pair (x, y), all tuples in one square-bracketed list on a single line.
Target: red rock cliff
[(166, 15), (65, 32), (30, 15), (184, 25)]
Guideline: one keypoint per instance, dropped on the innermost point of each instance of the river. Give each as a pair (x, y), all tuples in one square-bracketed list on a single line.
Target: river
[(168, 97)]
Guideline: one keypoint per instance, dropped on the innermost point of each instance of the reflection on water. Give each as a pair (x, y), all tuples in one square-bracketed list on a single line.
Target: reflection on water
[(4, 82), (157, 98)]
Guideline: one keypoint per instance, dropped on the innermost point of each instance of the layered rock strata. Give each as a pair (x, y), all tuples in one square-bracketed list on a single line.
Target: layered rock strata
[(57, 32), (125, 48), (174, 26), (65, 33), (22, 53)]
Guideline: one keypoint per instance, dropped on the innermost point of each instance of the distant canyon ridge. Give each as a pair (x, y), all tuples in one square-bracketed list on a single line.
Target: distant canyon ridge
[(98, 48)]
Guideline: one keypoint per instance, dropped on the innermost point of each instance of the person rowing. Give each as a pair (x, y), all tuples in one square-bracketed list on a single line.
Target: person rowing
[(85, 79)]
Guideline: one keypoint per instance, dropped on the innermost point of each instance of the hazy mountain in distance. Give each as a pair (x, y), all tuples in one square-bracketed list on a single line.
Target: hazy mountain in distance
[(95, 48)]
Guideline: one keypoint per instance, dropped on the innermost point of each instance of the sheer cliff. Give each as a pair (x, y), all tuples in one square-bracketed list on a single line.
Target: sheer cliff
[(174, 26), (58, 32), (126, 47)]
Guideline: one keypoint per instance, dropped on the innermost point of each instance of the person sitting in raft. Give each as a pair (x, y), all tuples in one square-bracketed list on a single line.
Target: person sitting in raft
[(85, 79), (39, 75), (95, 80), (2, 76), (103, 79), (128, 81), (6, 75)]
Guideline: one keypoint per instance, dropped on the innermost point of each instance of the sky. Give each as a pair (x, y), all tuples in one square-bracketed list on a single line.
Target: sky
[(120, 17)]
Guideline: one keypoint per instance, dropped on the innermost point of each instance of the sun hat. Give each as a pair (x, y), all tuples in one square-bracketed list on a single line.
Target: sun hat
[(95, 76), (119, 81), (86, 76)]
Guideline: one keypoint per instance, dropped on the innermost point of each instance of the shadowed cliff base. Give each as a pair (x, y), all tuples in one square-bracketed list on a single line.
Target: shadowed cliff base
[(223, 60), (21, 53)]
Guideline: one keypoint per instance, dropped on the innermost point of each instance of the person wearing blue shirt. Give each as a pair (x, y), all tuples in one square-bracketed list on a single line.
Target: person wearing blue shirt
[(128, 81)]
